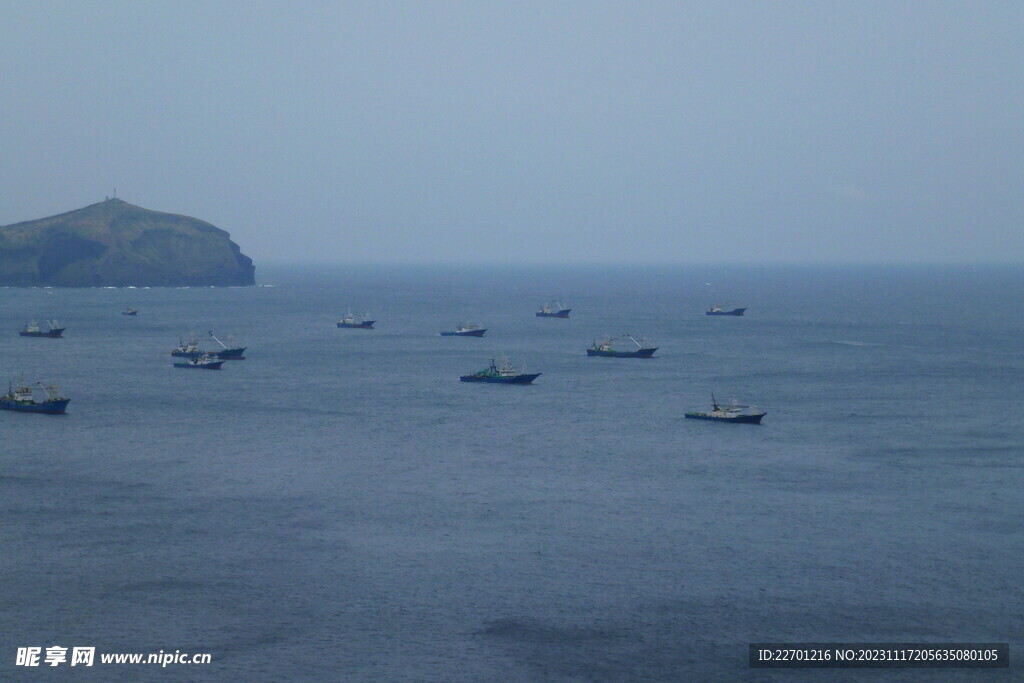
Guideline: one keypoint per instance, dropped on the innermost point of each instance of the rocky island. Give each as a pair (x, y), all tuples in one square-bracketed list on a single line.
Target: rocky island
[(115, 244)]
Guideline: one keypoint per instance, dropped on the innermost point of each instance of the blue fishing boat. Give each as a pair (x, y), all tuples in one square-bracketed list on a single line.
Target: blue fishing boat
[(130, 311), (191, 349), (500, 374), (22, 399), (350, 321), (718, 310), (553, 310), (227, 352), (466, 330), (606, 348), (731, 413), (32, 329)]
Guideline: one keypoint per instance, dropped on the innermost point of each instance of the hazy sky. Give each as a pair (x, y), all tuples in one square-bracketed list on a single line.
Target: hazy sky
[(529, 131)]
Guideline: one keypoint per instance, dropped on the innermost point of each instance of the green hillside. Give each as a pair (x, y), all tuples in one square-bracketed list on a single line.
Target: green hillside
[(114, 243)]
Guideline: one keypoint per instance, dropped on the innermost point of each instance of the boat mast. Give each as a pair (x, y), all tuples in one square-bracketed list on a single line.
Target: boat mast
[(217, 340)]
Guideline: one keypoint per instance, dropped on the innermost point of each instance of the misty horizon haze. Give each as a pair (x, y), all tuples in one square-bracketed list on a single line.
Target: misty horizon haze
[(577, 133)]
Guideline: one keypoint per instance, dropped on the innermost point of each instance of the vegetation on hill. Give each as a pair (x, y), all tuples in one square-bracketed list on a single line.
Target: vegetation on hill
[(113, 243)]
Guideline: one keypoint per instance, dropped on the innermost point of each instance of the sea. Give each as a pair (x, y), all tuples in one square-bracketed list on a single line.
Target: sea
[(340, 507)]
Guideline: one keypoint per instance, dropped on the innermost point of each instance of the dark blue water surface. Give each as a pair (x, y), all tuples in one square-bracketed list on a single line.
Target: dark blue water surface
[(340, 507)]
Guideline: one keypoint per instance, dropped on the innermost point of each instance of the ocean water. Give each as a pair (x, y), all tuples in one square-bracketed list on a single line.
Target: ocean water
[(340, 507)]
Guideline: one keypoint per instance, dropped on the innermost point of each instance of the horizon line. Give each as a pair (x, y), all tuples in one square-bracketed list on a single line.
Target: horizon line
[(622, 264)]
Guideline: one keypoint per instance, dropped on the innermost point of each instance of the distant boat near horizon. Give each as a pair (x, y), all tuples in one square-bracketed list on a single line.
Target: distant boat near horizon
[(227, 352), (500, 374), (130, 311), (190, 349), (350, 321), (32, 329), (553, 310), (22, 399), (718, 310), (466, 330), (606, 348), (731, 413)]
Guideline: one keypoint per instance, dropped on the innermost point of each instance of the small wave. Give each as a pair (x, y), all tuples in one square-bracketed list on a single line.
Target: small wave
[(845, 342)]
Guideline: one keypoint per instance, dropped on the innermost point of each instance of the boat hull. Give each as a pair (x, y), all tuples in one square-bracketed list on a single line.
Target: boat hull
[(564, 313), (516, 379), (206, 366), (365, 325), (52, 334), (226, 354), (744, 419), (46, 407), (639, 353), (735, 311), (467, 333), (127, 313)]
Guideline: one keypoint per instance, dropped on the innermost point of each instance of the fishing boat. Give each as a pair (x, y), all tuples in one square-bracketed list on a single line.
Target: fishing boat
[(606, 348), (227, 352), (22, 399), (352, 322), (466, 330), (130, 311), (718, 310), (730, 413), (203, 362), (500, 374), (553, 309), (187, 349), (32, 329), (191, 349)]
